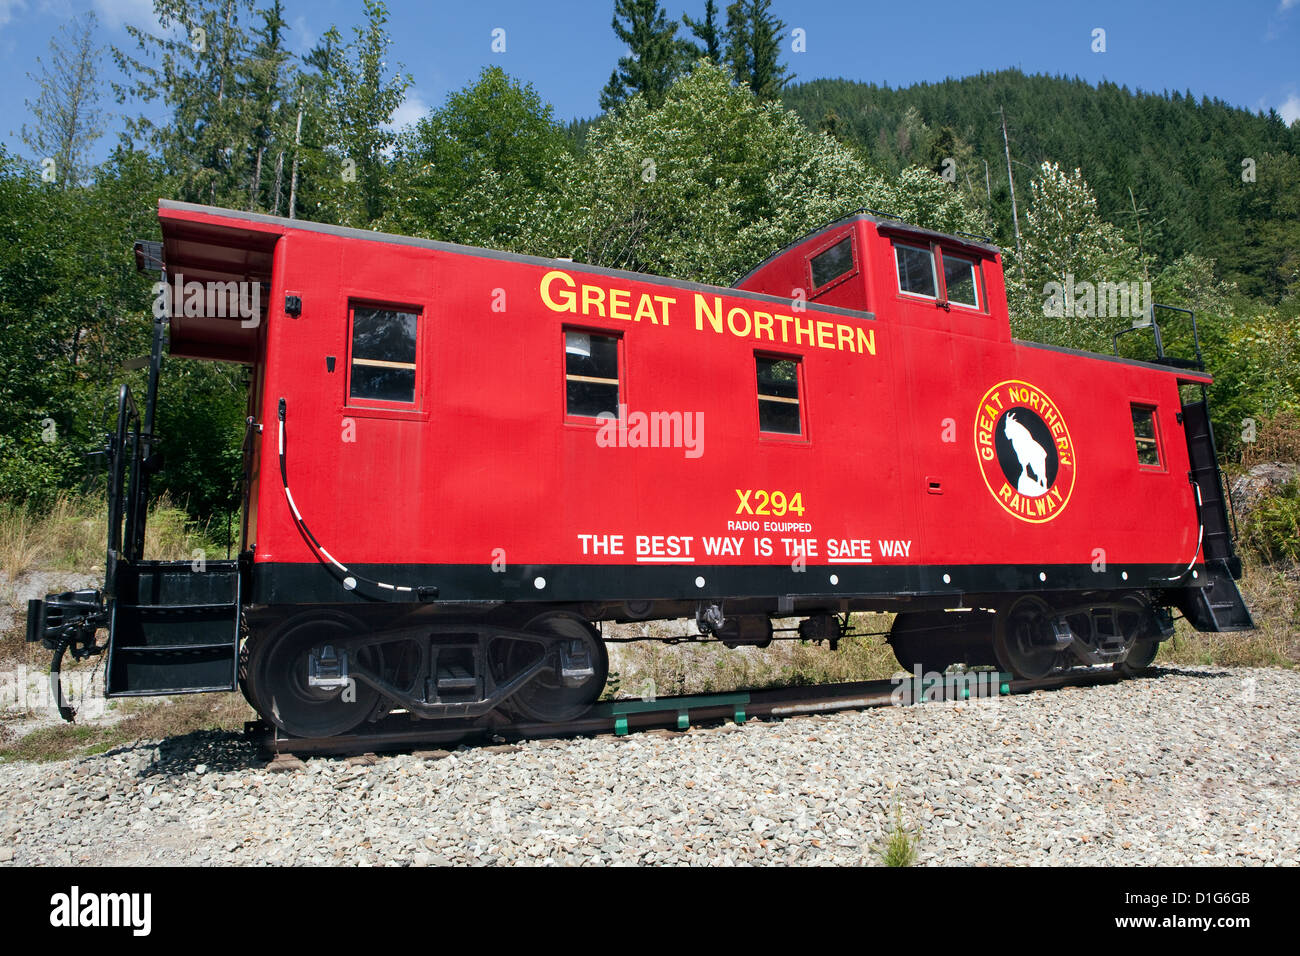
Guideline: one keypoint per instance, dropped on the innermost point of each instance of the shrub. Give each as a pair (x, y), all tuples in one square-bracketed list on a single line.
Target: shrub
[(1273, 531)]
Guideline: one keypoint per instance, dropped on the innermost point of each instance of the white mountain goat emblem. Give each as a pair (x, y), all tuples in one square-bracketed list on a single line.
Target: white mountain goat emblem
[(1033, 458)]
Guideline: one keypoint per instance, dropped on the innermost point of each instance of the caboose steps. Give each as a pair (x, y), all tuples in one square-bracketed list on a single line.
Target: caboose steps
[(1220, 606), (174, 629)]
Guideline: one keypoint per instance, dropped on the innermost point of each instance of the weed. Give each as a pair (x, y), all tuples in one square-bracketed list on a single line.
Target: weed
[(900, 842)]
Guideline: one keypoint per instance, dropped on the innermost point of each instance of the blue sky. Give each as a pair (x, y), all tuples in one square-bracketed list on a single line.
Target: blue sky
[(1246, 52)]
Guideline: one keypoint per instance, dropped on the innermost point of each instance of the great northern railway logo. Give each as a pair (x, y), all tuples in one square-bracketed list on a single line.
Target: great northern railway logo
[(1025, 451)]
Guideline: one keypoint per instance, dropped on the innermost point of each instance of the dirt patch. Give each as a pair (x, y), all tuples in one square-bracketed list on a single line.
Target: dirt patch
[(47, 737)]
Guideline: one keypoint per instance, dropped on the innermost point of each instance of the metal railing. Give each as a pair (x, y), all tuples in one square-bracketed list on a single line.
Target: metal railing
[(1152, 323), (125, 502)]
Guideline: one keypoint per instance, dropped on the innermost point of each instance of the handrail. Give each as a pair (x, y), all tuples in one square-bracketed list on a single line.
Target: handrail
[(123, 499), (1154, 325), (1196, 333)]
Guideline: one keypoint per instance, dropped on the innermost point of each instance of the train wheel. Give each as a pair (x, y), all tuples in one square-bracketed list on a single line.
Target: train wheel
[(1140, 657), (242, 671), (547, 698), (1014, 634), (1144, 649), (279, 688)]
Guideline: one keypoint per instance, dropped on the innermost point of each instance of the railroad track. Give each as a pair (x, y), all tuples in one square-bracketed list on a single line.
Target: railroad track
[(400, 732)]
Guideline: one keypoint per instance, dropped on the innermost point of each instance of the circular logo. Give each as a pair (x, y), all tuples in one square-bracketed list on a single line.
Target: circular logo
[(1025, 451)]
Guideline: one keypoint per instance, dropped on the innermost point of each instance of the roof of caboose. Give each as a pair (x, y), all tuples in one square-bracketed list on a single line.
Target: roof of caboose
[(883, 222), (233, 232), (212, 244), (209, 243)]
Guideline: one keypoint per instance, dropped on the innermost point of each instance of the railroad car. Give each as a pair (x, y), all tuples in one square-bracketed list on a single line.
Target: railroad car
[(461, 463)]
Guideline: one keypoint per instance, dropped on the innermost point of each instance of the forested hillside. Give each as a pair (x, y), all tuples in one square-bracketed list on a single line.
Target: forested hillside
[(1177, 159)]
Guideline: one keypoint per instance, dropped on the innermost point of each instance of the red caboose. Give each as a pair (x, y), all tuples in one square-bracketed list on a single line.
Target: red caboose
[(459, 461)]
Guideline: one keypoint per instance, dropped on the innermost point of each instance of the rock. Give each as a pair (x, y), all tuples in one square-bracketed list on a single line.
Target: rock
[(285, 763), (1261, 481)]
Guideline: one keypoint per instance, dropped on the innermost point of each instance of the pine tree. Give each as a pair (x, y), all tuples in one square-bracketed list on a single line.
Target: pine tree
[(754, 47), (707, 32), (66, 120), (481, 169), (711, 182), (656, 56), (1067, 241), (312, 169)]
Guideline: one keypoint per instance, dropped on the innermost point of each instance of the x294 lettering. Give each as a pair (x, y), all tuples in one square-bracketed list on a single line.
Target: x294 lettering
[(771, 503)]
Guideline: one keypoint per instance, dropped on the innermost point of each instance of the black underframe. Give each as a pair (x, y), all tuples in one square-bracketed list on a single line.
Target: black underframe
[(316, 583)]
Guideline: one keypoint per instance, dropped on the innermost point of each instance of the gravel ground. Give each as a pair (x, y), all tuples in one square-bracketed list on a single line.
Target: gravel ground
[(1196, 765)]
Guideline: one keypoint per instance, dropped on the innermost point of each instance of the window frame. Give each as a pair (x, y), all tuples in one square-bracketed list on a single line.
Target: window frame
[(378, 407), (801, 392), (590, 421), (815, 290), (1157, 441), (940, 298), (976, 274), (934, 271)]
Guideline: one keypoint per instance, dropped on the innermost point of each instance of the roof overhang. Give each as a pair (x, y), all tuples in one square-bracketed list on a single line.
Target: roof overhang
[(218, 271)]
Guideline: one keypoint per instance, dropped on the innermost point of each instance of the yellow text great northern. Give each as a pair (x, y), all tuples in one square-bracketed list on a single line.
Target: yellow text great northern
[(786, 329), (560, 292), (593, 300)]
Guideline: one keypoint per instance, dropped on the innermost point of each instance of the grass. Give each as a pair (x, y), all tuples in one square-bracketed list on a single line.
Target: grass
[(637, 669), (901, 841), (1273, 596), (72, 535)]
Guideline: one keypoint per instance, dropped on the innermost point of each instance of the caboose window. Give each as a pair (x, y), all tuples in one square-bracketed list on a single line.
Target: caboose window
[(834, 262), (1144, 431), (916, 271), (959, 281), (778, 395), (591, 382), (383, 354)]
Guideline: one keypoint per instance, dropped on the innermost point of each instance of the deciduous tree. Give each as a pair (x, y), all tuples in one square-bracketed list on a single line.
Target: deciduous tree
[(65, 120)]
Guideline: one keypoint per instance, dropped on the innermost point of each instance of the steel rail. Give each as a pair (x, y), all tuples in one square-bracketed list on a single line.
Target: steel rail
[(400, 732)]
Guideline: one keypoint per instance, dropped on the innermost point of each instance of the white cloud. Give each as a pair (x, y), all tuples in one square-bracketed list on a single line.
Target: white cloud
[(413, 108), (1290, 108), (114, 13), (1286, 5), (302, 37), (9, 7)]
